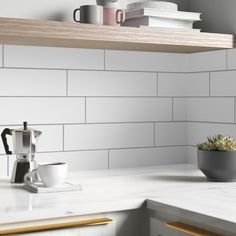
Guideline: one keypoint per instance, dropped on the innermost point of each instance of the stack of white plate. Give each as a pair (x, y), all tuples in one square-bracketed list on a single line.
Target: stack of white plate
[(160, 14)]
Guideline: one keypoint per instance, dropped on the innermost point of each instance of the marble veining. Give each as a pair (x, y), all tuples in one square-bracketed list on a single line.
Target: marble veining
[(181, 186)]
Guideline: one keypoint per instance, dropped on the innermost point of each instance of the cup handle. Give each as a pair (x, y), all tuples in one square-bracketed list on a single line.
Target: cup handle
[(31, 177), (74, 14), (120, 14)]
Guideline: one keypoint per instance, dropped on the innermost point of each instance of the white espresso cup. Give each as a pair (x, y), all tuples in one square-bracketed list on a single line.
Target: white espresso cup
[(50, 174)]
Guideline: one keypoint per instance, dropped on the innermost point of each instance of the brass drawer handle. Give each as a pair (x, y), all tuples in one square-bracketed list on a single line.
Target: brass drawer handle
[(191, 230), (44, 227)]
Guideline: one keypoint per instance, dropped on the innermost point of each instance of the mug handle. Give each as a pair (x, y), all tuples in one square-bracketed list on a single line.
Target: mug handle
[(74, 14), (120, 14), (31, 177)]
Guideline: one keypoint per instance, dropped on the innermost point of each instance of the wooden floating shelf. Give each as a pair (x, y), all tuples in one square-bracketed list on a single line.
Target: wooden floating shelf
[(75, 35)]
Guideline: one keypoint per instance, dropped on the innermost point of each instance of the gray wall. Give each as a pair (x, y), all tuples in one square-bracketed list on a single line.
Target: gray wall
[(218, 16)]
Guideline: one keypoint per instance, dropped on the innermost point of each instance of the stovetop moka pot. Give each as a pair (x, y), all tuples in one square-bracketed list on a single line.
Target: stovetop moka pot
[(24, 147)]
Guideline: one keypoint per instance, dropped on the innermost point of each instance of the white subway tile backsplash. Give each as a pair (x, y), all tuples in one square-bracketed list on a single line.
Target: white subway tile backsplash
[(51, 138), (145, 61), (22, 82), (183, 84), (83, 160), (207, 61), (204, 109), (146, 157), (128, 109), (231, 59), (42, 110), (47, 87), (170, 133), (223, 83), (108, 83), (198, 132), (3, 166), (102, 136), (52, 57)]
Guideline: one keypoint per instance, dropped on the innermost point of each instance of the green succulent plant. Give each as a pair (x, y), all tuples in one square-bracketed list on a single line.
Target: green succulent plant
[(218, 143)]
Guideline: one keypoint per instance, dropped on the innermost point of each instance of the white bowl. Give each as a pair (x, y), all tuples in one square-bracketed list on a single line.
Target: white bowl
[(160, 5)]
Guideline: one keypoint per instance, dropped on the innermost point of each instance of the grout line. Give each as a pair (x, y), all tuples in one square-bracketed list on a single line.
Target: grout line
[(210, 84), (95, 69), (112, 70), (85, 110), (99, 123), (127, 97), (67, 83), (110, 149), (189, 145), (211, 122), (3, 53)]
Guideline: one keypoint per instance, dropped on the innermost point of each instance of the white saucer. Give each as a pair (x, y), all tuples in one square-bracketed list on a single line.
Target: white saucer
[(38, 187)]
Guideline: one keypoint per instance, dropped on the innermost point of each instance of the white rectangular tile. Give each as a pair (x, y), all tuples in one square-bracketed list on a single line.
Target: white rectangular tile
[(145, 61), (52, 57), (173, 155), (83, 160), (180, 109), (198, 132), (124, 158), (3, 166), (204, 109), (108, 83), (191, 153), (183, 84), (171, 133), (231, 59), (128, 109), (22, 82), (223, 83), (207, 61), (42, 110), (51, 138), (93, 136)]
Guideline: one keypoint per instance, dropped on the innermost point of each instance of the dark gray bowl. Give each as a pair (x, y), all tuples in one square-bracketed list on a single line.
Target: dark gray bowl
[(217, 165)]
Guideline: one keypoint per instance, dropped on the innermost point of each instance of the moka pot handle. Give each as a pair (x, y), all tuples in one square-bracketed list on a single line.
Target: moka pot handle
[(4, 134)]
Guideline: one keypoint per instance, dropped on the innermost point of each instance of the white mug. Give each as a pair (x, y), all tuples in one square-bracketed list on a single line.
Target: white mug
[(51, 174)]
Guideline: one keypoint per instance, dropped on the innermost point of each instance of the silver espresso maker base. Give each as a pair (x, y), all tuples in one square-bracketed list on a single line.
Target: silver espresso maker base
[(20, 169)]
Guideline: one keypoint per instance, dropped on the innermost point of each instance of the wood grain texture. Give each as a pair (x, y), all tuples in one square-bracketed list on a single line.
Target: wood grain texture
[(66, 34)]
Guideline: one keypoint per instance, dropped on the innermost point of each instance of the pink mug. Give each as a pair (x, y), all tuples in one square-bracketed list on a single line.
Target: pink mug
[(113, 16)]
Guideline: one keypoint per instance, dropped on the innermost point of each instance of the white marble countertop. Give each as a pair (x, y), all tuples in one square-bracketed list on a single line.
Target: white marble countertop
[(181, 187)]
